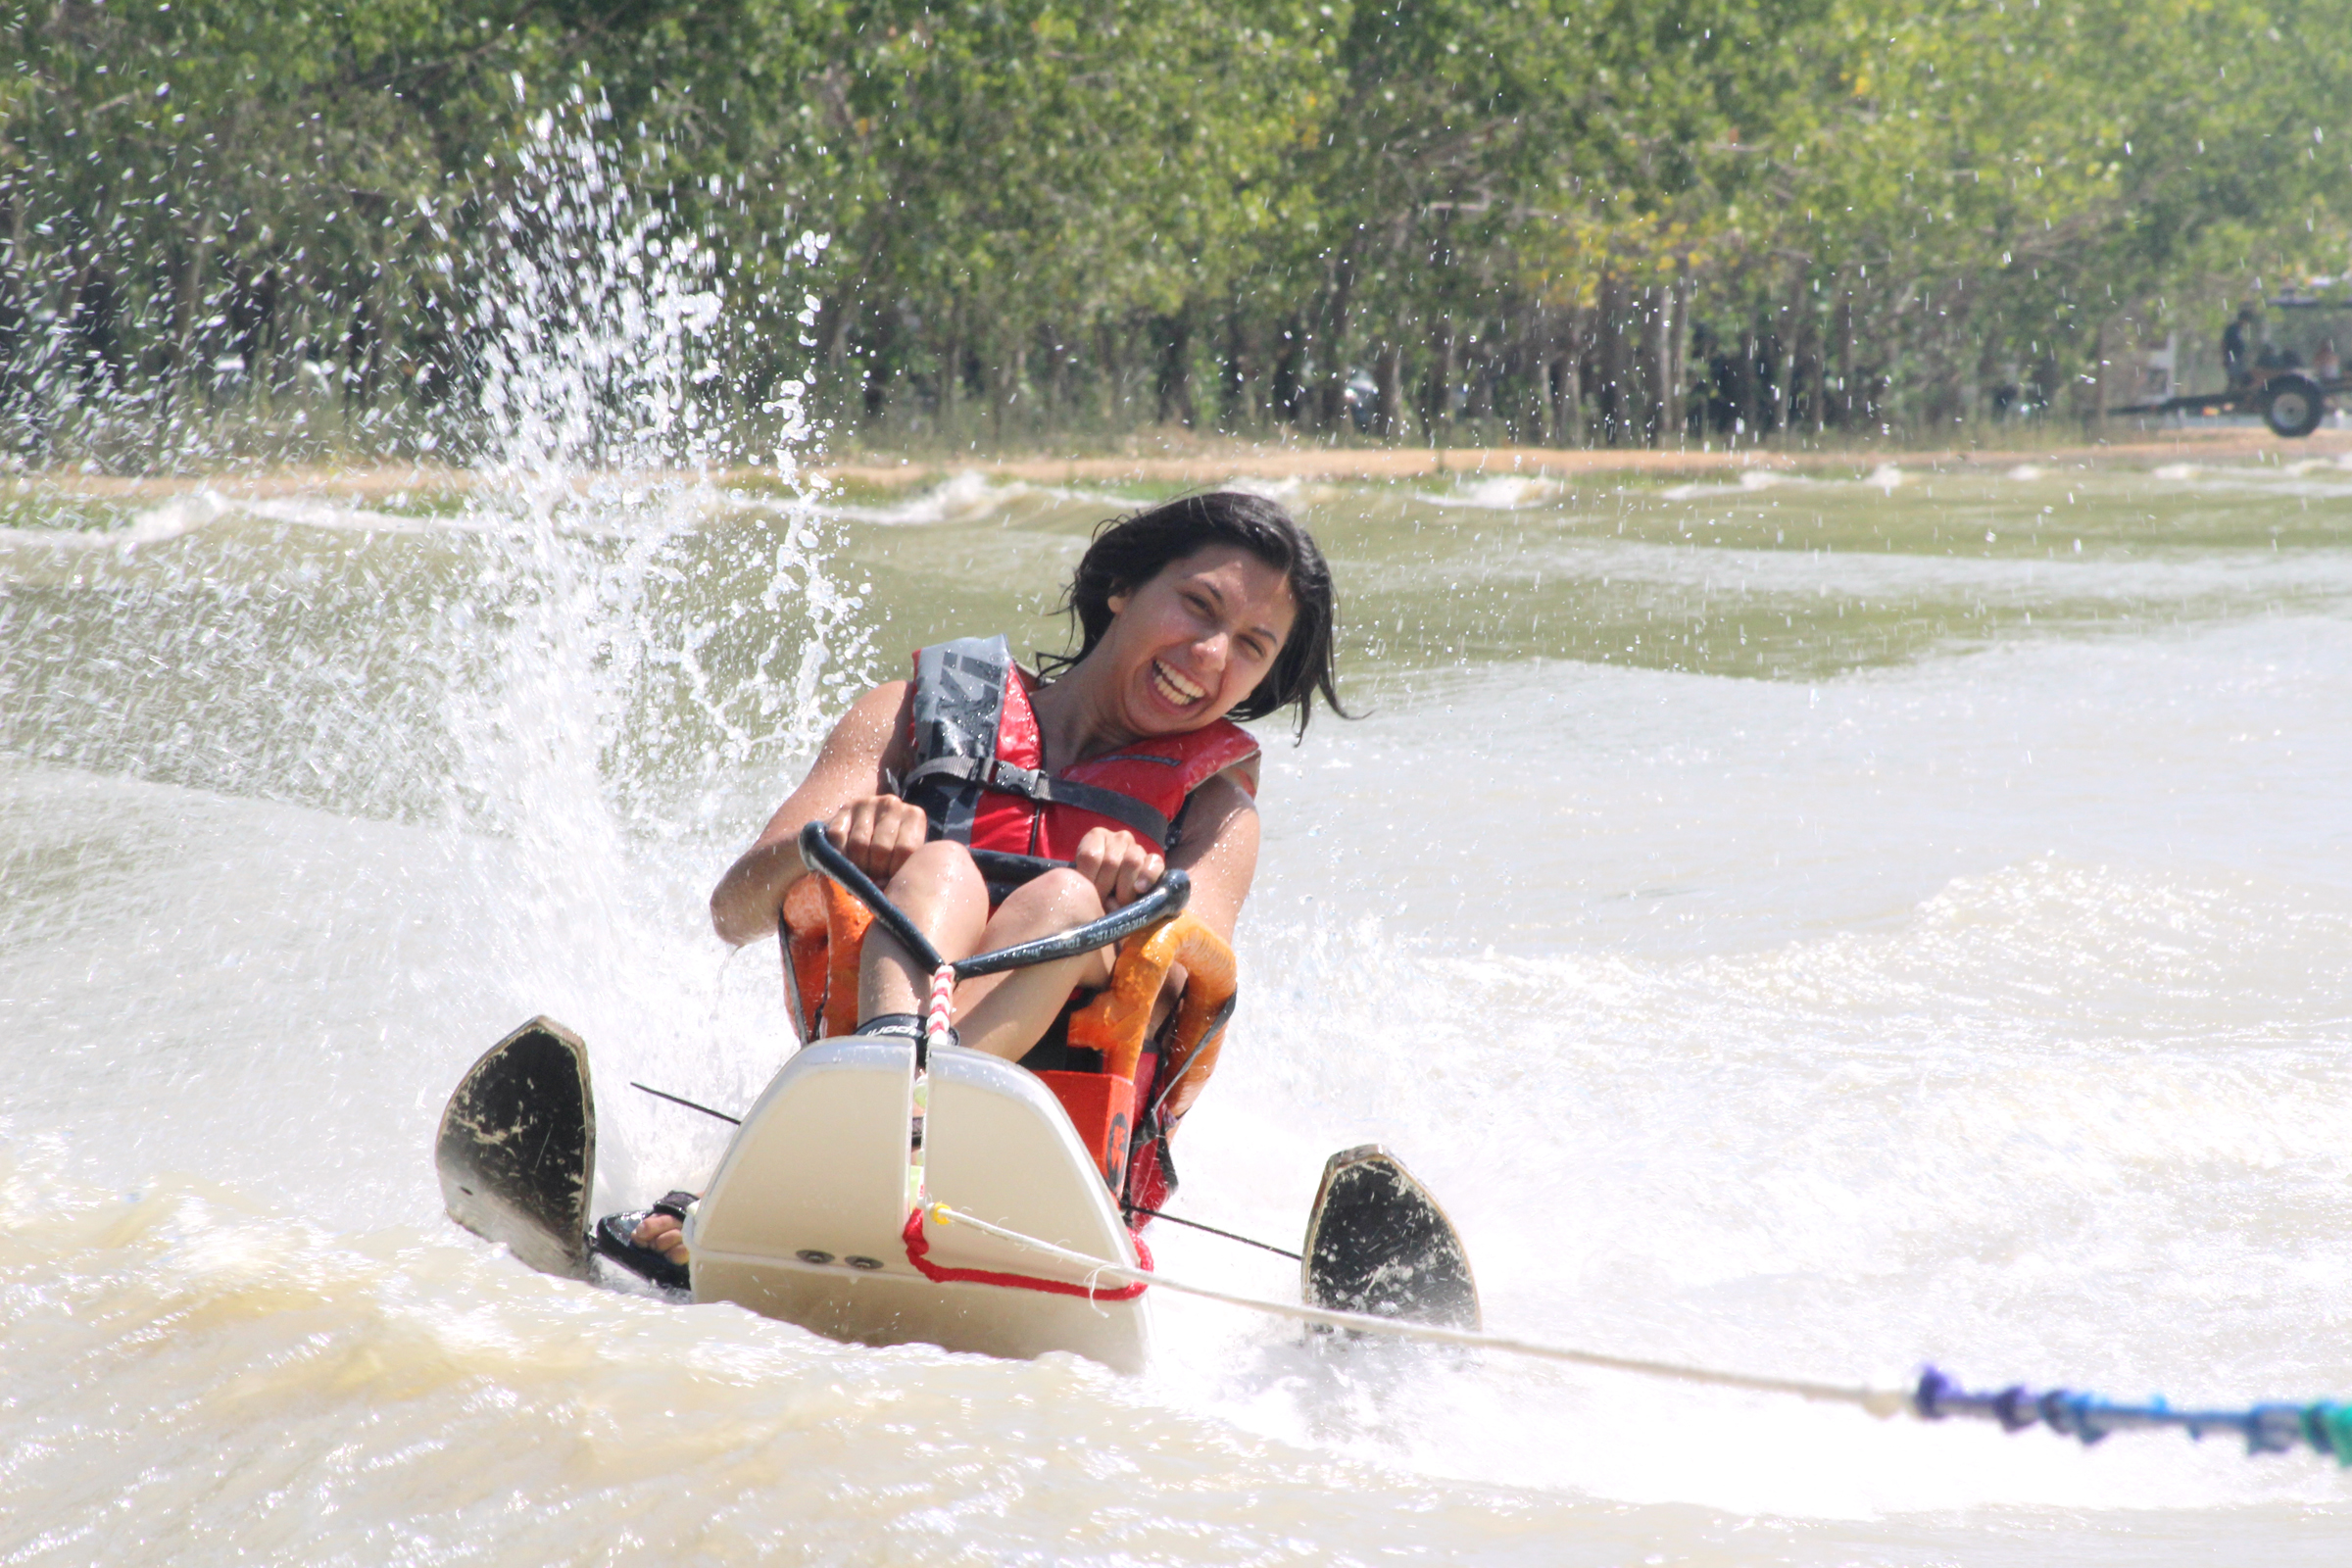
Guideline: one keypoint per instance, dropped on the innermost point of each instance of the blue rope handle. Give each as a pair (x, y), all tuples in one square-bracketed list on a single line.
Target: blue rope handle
[(2324, 1425)]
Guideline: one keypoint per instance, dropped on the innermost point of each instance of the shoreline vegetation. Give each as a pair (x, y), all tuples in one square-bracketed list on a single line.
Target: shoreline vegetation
[(1187, 461), (1037, 224)]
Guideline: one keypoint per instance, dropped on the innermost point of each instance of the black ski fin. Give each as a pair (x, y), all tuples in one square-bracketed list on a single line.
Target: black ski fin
[(517, 1151), (1377, 1243)]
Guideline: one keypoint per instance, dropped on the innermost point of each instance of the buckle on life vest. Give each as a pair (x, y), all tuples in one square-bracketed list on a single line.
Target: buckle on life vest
[(1027, 781)]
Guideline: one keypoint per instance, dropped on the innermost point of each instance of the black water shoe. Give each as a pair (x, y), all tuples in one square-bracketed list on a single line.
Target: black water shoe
[(899, 1026), (613, 1238)]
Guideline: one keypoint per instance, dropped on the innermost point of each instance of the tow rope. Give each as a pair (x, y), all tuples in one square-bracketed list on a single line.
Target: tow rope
[(937, 1029), (2325, 1426)]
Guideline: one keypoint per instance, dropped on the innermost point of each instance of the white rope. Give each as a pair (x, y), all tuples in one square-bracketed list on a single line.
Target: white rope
[(1881, 1402), (937, 1019), (936, 1034)]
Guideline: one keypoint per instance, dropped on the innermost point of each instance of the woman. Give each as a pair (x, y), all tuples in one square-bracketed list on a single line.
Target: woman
[(1122, 760)]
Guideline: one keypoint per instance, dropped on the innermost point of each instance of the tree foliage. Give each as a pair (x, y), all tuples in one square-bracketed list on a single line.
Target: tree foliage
[(1560, 220)]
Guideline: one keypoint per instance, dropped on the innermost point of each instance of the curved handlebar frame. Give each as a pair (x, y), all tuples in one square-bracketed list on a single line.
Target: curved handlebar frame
[(1164, 901)]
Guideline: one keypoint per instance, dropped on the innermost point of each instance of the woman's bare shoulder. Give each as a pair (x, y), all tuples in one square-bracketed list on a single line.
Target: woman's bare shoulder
[(891, 697), (875, 720), (865, 744), (1235, 789), (1243, 776), (1215, 815)]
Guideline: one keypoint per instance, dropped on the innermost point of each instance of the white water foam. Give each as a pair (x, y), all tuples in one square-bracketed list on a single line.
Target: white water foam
[(964, 496), (1506, 492), (1936, 1092)]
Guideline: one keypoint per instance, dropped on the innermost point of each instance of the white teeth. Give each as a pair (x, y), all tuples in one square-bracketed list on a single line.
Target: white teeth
[(1175, 687)]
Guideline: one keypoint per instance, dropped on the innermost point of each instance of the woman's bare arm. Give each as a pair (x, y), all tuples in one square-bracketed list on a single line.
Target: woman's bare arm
[(1220, 851), (869, 739)]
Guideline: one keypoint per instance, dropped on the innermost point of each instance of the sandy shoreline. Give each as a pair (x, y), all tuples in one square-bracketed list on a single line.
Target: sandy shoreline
[(1206, 462)]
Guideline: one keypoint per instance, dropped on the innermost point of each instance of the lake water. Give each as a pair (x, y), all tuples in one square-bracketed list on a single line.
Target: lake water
[(1811, 928)]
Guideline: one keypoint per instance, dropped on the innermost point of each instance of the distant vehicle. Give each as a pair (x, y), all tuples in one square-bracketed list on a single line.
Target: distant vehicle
[(2288, 381)]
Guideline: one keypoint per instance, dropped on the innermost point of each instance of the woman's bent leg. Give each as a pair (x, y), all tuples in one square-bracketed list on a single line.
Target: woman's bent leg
[(940, 891), (1003, 1014)]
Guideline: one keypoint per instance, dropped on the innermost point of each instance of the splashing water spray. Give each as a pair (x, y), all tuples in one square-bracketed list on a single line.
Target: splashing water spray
[(591, 644), (663, 635)]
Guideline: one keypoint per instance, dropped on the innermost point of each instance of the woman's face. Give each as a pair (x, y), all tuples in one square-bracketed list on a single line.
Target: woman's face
[(1186, 647)]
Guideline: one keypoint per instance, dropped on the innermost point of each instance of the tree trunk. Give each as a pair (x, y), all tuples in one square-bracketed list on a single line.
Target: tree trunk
[(1532, 359), (1989, 373), (1821, 368), (1438, 415), (1568, 408), (1845, 356), (1286, 395), (187, 309), (362, 350), (1239, 390), (875, 377), (1804, 372), (1650, 429), (2102, 369), (951, 373), (1175, 334), (1792, 327), (840, 316), (1750, 401), (1108, 370), (97, 307), (1388, 372), (1609, 362), (1478, 374), (1056, 350), (1004, 379), (1674, 353), (1334, 340)]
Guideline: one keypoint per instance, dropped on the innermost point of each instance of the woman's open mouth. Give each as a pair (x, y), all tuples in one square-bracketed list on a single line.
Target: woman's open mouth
[(1174, 687)]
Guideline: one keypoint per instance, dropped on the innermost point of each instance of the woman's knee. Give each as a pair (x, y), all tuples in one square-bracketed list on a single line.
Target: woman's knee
[(1055, 901), (940, 866), (939, 883)]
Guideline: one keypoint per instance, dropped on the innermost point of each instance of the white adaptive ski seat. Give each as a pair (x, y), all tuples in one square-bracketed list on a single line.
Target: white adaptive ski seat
[(805, 1219)]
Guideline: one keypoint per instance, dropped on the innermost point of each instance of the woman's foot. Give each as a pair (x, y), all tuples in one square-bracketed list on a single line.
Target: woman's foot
[(661, 1233), (650, 1246)]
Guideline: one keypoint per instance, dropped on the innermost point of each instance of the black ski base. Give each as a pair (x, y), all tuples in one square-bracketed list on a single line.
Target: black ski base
[(1378, 1243), (517, 1150)]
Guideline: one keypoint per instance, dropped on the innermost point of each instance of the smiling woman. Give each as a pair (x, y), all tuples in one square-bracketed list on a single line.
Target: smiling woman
[(1122, 760)]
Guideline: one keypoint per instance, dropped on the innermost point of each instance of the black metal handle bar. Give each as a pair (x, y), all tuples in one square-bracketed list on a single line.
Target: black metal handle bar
[(1164, 901)]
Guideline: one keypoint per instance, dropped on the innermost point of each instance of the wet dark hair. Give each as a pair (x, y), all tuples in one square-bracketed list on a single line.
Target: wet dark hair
[(1129, 551)]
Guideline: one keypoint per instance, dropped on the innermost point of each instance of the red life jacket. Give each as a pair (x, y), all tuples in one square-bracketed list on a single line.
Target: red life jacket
[(979, 759)]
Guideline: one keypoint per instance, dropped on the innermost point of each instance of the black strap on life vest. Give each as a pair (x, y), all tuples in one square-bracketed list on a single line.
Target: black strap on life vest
[(1046, 790), (959, 704), (959, 707)]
